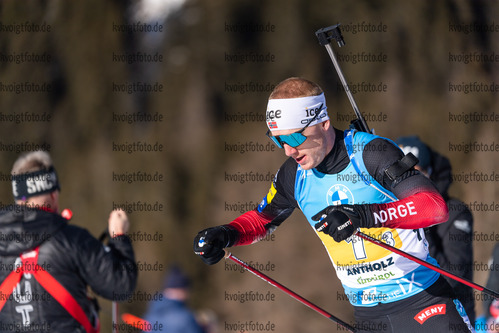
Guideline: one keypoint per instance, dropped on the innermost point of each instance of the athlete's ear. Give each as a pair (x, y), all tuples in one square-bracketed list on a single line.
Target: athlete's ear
[(326, 124)]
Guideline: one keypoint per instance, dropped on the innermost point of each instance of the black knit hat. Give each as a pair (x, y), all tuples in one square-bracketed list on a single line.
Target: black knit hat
[(176, 278)]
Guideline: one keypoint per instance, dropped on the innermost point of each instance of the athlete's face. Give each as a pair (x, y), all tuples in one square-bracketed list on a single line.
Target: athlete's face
[(311, 152)]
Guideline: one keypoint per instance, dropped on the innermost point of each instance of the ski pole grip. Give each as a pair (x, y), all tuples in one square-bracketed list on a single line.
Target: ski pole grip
[(326, 35)]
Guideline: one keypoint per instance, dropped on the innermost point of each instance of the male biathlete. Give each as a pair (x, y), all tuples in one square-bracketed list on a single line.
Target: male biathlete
[(343, 182)]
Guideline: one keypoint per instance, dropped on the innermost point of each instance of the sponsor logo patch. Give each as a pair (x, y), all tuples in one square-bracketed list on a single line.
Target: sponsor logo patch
[(434, 310), (339, 194)]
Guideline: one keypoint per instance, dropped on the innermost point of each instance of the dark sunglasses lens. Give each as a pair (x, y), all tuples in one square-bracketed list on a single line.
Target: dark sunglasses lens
[(293, 140)]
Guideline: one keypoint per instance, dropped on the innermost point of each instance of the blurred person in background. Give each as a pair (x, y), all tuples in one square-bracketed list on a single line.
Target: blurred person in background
[(171, 312), (451, 242), (47, 264), (344, 181)]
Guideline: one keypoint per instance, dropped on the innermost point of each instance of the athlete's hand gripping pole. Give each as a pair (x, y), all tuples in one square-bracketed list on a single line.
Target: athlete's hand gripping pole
[(344, 221), (291, 293), (325, 36)]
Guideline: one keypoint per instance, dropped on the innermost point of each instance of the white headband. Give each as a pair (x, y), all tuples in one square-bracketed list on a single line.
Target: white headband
[(295, 113)]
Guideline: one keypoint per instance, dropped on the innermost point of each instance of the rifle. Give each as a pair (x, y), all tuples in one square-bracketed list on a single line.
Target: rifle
[(325, 36)]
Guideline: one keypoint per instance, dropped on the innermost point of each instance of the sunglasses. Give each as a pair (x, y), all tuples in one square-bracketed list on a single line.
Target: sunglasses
[(294, 139)]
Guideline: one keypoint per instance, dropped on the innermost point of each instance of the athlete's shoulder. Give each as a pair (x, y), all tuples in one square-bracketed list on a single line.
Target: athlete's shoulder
[(290, 163), (369, 138), (287, 172)]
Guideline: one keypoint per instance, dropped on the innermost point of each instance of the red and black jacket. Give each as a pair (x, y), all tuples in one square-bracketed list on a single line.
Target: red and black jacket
[(72, 257)]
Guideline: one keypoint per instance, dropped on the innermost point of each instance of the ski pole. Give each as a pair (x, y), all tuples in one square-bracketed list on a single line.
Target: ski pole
[(427, 264), (114, 316), (288, 291)]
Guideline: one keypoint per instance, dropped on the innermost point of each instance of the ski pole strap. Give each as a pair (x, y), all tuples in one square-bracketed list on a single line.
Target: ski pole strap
[(30, 265)]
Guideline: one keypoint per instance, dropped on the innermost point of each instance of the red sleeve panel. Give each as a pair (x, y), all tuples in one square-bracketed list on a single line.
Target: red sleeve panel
[(251, 227), (419, 210)]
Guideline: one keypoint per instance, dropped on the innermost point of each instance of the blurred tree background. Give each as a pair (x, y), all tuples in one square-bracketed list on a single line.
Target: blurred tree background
[(211, 66)]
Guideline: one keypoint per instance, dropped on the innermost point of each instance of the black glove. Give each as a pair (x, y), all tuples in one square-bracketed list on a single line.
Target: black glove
[(340, 222), (209, 243)]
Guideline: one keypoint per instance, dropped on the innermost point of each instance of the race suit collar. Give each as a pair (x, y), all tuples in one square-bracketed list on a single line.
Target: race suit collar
[(337, 159)]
